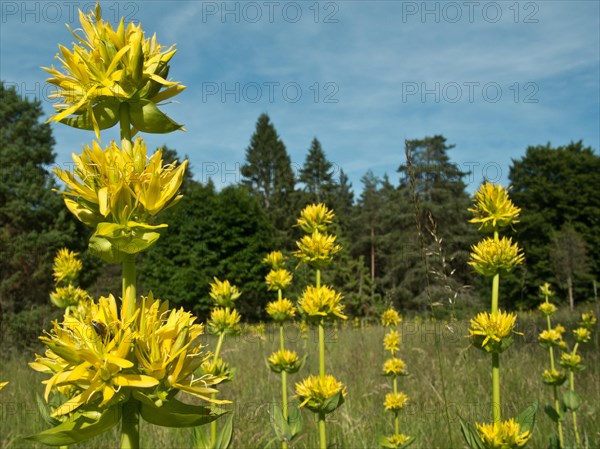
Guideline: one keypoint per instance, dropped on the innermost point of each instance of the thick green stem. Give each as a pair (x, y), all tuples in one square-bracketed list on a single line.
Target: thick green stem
[(574, 413), (213, 424), (130, 425), (495, 292), (321, 350), (125, 122), (129, 290), (496, 387), (322, 432), (396, 417), (555, 390), (218, 349), (283, 376)]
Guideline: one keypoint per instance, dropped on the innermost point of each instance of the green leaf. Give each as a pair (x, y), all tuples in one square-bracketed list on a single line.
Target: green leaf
[(79, 427), (106, 113), (112, 241), (554, 442), (146, 117), (280, 424), (294, 420), (552, 413), (571, 400), (332, 403), (225, 434), (201, 438), (471, 435), (526, 419), (174, 413)]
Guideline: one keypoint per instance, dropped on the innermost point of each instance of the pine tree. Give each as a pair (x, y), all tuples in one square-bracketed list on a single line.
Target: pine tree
[(317, 175), (268, 174), (33, 221)]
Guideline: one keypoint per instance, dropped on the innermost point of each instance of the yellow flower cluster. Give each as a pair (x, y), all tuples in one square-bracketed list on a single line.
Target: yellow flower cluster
[(504, 435), (572, 362), (390, 318), (395, 401), (315, 217), (281, 310), (103, 359), (320, 394), (492, 331), (552, 337), (391, 341), (396, 441), (66, 266), (394, 367), (493, 208), (322, 302), (588, 320), (68, 297), (223, 293), (490, 256), (224, 320), (284, 360), (117, 191), (553, 377), (278, 279), (108, 68), (547, 308), (274, 259)]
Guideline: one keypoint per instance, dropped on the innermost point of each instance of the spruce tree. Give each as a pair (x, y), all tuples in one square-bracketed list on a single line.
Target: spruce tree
[(317, 175), (268, 174)]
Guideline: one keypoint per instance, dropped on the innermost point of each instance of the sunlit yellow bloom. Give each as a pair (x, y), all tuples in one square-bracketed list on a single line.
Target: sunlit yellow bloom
[(223, 293), (66, 266), (315, 217), (278, 279), (395, 401), (317, 249), (547, 308), (571, 362), (224, 320), (397, 440), (394, 367), (582, 335), (108, 68), (546, 290), (284, 360), (391, 341), (281, 310), (554, 377), (67, 297), (588, 320), (390, 318), (321, 303), (275, 260), (490, 256), (217, 368), (492, 331), (493, 208), (3, 384), (314, 392), (504, 435), (552, 337)]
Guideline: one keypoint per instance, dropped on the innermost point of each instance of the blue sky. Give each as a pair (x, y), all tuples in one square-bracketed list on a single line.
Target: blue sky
[(361, 76)]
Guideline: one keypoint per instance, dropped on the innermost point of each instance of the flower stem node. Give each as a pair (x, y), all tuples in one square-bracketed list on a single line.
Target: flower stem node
[(320, 394)]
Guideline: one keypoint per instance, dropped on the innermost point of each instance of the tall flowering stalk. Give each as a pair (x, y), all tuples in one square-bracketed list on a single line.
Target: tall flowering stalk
[(286, 420), (492, 332), (394, 367), (224, 321), (116, 361), (321, 394), (552, 338)]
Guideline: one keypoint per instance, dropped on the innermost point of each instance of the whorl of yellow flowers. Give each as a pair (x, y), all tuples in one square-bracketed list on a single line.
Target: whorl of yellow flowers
[(315, 217), (317, 249), (66, 266), (490, 257), (101, 360), (223, 293), (110, 72), (284, 360), (492, 331), (320, 394), (493, 208), (390, 318), (321, 303), (117, 191), (503, 435), (274, 259), (278, 279), (281, 310)]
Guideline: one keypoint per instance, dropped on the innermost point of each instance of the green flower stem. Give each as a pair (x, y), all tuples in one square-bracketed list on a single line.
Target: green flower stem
[(213, 424), (572, 388), (555, 389), (129, 288), (125, 122), (396, 418), (321, 350), (496, 387), (130, 425), (284, 398), (322, 432)]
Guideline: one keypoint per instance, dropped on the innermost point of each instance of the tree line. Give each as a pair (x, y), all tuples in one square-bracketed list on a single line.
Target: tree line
[(405, 243)]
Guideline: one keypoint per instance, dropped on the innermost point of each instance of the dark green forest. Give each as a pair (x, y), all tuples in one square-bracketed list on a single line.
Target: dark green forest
[(406, 236)]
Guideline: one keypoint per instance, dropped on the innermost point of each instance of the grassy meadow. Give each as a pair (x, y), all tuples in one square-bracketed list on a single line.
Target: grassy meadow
[(355, 356)]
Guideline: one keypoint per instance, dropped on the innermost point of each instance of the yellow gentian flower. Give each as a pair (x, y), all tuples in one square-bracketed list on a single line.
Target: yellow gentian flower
[(321, 303), (493, 208), (492, 331), (504, 435), (315, 217), (490, 257)]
